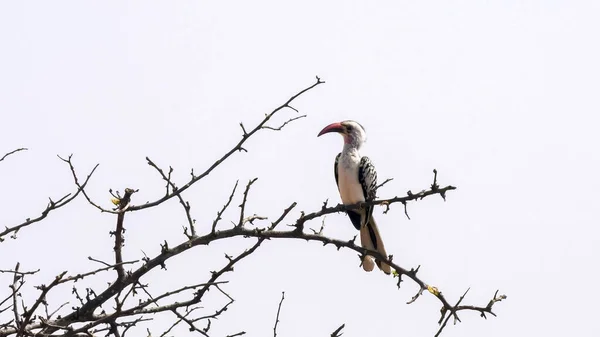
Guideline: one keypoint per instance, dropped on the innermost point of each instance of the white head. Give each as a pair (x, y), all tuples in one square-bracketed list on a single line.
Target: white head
[(354, 134)]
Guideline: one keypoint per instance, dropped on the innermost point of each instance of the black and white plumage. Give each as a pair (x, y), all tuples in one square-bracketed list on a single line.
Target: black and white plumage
[(356, 179), (367, 178)]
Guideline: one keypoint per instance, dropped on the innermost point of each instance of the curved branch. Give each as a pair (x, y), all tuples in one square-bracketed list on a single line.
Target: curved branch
[(13, 152)]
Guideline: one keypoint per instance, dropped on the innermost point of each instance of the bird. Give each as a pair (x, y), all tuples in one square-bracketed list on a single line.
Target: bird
[(356, 179)]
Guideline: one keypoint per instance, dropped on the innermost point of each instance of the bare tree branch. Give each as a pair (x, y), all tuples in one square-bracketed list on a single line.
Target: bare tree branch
[(237, 334), (238, 147), (12, 152), (384, 202), (383, 183), (119, 231), (93, 272), (241, 231), (185, 204), (127, 301), (243, 204), (277, 317), (338, 331), (27, 315), (15, 290), (284, 124), (2, 271), (52, 205), (220, 213)]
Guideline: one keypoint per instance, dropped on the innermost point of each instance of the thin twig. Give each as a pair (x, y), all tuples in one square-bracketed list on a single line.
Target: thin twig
[(220, 213), (285, 123), (383, 183), (94, 272), (2, 271), (277, 317), (243, 204), (12, 152)]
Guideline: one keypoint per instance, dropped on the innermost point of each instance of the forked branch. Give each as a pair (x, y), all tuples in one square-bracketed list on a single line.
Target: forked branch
[(52, 204)]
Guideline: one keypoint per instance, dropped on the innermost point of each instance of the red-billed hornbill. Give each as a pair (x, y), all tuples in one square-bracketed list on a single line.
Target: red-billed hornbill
[(356, 179)]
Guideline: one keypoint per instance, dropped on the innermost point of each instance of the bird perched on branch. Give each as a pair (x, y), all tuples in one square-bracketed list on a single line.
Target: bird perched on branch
[(356, 179)]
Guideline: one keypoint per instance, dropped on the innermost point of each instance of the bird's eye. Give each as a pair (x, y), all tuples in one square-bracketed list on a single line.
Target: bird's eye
[(349, 127)]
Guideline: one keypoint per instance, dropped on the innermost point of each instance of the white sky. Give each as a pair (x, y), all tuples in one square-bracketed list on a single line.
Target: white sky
[(501, 97)]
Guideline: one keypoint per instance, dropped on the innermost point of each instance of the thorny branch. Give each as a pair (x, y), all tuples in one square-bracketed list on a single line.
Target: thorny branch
[(384, 202), (92, 315), (86, 311), (262, 125), (130, 280)]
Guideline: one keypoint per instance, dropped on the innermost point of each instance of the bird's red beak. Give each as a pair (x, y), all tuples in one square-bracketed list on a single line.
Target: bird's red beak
[(335, 127)]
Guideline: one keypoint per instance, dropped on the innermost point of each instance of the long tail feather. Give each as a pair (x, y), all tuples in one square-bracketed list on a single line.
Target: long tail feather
[(371, 239), (365, 242)]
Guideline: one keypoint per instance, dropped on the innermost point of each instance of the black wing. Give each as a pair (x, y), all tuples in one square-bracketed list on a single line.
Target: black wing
[(367, 176)]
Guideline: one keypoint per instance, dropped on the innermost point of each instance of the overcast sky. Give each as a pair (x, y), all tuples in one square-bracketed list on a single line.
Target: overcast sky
[(500, 96)]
